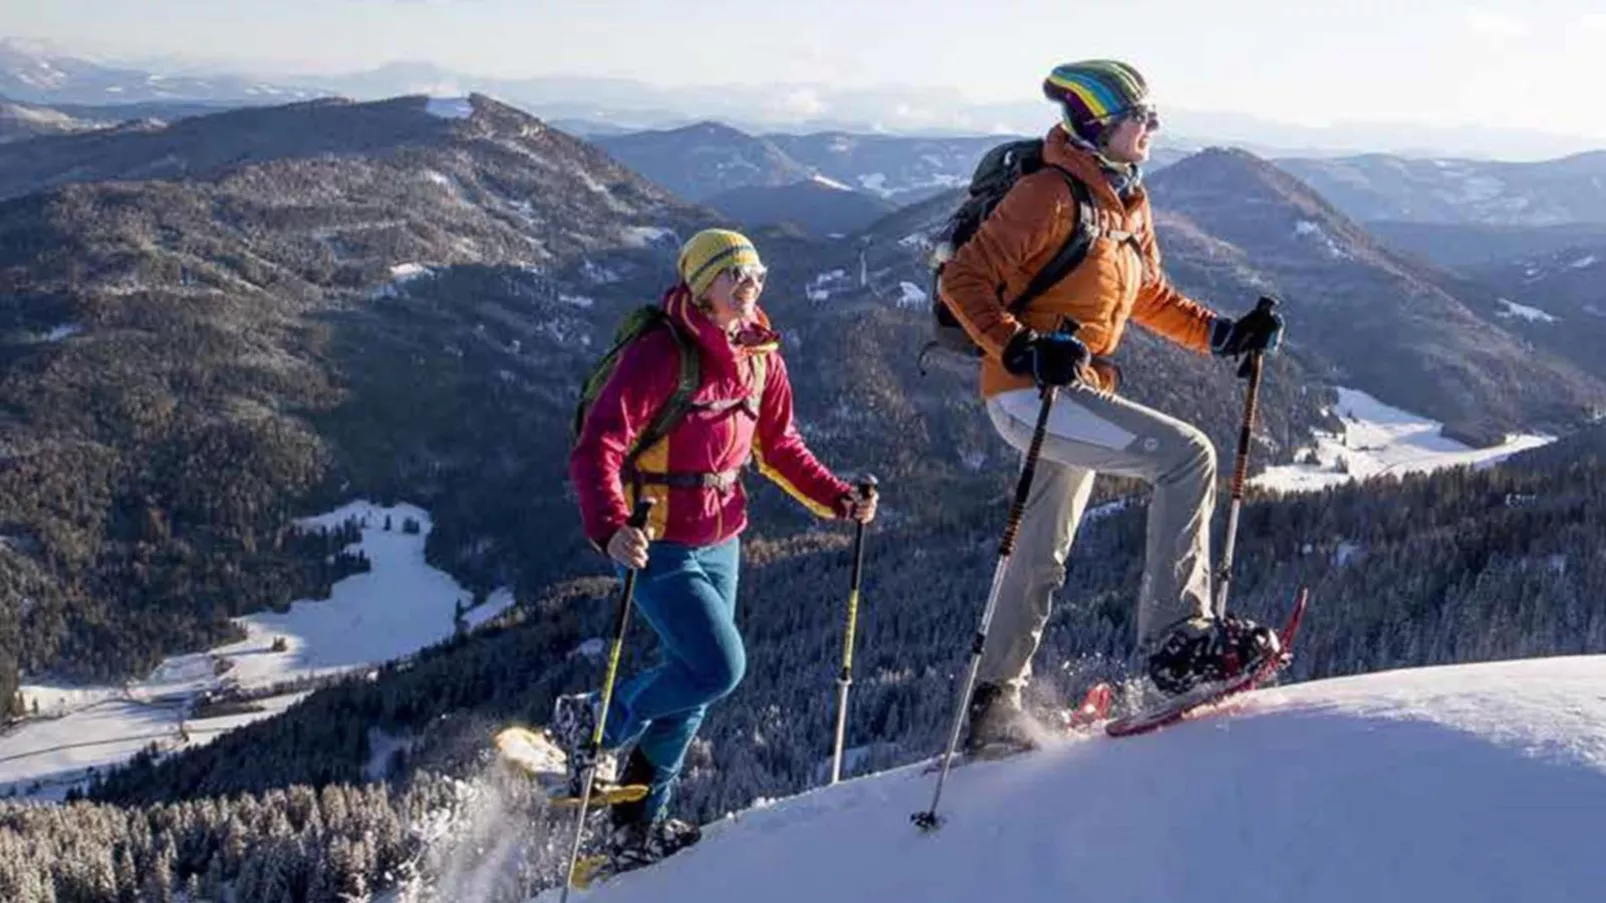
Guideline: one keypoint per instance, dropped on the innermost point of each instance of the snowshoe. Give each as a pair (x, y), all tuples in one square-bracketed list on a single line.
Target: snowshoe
[(574, 724), (1095, 707), (634, 845), (536, 755), (980, 746), (1273, 656), (1208, 651), (998, 726)]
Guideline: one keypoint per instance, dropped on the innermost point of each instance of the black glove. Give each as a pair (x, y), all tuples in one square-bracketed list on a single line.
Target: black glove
[(1053, 359), (1259, 330)]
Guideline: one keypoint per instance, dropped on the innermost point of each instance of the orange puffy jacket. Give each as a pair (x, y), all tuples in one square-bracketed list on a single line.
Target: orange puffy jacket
[(1121, 278)]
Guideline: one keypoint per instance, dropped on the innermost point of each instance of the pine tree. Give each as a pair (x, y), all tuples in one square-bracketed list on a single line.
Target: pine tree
[(127, 878), (158, 884), (212, 884)]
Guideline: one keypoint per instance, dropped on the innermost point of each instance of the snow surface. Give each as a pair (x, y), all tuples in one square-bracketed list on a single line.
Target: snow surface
[(400, 275), (398, 607), (876, 183), (1532, 314), (1307, 227), (1380, 439), (911, 295), (1469, 783), (449, 107), (819, 287), (829, 182), (37, 115), (646, 236)]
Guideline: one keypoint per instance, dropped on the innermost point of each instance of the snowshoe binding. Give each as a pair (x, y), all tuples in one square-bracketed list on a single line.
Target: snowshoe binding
[(634, 845), (1199, 665), (574, 724)]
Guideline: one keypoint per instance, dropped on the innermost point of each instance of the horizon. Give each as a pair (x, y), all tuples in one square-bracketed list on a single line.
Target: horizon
[(1439, 68)]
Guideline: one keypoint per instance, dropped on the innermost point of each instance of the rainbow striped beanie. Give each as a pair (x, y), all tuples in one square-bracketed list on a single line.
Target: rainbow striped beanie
[(1090, 91)]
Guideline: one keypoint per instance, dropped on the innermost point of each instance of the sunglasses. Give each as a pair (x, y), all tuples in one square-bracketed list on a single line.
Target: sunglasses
[(1149, 116), (753, 273)]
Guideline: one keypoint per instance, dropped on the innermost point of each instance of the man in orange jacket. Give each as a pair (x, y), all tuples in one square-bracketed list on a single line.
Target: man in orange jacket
[(1102, 140)]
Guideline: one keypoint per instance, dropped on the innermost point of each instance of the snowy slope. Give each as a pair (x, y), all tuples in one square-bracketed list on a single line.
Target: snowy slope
[(399, 606), (1467, 783), (1380, 439)]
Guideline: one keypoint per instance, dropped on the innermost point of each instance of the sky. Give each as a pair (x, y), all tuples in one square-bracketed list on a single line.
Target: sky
[(1530, 64)]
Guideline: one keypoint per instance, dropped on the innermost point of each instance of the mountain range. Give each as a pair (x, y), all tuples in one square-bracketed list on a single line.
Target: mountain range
[(40, 73), (1381, 187), (186, 357), (347, 278)]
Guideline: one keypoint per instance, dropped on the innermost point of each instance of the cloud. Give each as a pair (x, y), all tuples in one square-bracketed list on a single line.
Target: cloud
[(1595, 22), (799, 102), (1500, 26)]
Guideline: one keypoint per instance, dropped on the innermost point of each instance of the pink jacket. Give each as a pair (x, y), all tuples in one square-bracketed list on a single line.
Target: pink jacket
[(725, 427)]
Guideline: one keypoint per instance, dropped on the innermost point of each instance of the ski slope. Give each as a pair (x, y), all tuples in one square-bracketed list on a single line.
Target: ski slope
[(1466, 783), (399, 606), (1380, 439)]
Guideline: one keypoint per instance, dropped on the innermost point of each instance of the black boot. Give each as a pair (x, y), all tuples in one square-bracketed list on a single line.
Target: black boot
[(1210, 650), (637, 770), (637, 844), (997, 723)]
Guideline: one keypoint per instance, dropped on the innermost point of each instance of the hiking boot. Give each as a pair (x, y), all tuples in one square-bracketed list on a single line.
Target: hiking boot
[(1210, 650), (998, 724), (574, 721), (636, 844), (637, 770)]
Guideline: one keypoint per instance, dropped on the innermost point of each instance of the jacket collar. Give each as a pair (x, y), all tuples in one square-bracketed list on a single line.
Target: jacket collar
[(756, 338), (1081, 161)]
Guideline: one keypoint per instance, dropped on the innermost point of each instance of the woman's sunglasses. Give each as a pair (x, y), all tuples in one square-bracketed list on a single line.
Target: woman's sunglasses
[(753, 273)]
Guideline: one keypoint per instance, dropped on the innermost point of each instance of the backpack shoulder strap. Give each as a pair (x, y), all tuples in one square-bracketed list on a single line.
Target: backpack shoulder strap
[(761, 373), (1076, 246), (688, 380)]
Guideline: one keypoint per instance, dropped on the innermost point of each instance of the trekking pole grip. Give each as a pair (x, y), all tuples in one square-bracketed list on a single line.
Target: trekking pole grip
[(868, 487), (640, 513), (1250, 368)]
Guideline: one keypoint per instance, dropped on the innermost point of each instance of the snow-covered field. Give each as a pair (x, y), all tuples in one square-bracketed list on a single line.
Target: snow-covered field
[(401, 605), (1379, 439), (1469, 783)]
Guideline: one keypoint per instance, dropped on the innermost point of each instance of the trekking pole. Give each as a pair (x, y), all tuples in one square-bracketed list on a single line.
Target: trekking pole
[(1251, 370), (928, 820), (867, 488), (638, 520)]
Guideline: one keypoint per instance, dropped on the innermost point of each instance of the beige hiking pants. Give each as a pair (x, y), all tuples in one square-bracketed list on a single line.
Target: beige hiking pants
[(1091, 431)]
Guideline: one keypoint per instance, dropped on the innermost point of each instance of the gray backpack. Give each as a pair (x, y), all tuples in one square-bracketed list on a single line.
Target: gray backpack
[(997, 172)]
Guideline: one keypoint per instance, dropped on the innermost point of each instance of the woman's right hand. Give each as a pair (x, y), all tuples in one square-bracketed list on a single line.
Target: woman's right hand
[(628, 546)]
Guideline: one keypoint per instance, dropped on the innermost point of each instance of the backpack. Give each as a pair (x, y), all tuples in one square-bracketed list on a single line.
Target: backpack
[(997, 172), (636, 324)]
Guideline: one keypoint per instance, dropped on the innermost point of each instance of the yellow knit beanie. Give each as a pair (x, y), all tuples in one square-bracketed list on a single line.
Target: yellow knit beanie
[(711, 251)]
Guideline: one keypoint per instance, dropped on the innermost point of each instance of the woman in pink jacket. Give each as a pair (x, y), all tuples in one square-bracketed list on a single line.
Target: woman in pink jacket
[(688, 557)]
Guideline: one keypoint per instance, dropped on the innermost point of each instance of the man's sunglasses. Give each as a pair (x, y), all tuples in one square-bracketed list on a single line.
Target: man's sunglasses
[(1149, 116)]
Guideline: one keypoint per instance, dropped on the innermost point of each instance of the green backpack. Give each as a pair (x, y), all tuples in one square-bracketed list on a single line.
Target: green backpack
[(640, 322), (636, 324)]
